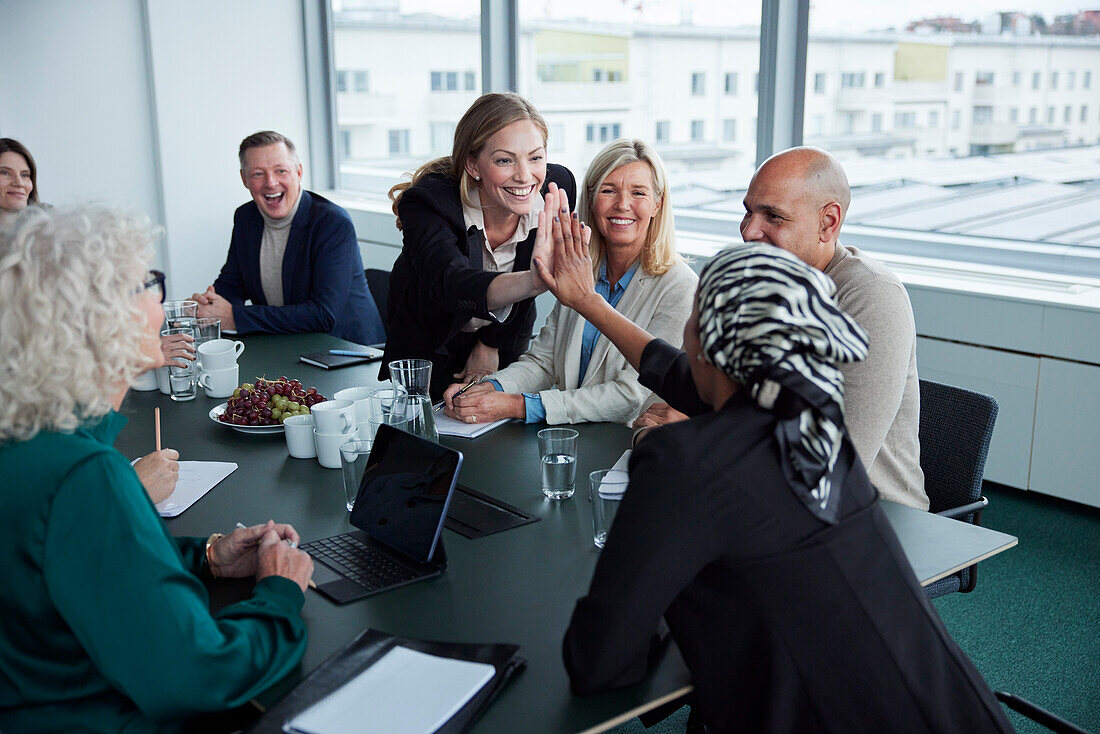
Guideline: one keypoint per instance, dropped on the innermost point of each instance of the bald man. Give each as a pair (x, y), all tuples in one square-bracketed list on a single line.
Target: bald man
[(797, 200)]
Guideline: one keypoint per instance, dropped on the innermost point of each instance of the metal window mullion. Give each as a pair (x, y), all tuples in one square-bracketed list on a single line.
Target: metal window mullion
[(499, 46), (318, 39), (781, 94)]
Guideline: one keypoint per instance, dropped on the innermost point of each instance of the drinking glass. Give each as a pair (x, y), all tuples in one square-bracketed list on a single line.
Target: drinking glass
[(415, 375), (183, 381), (558, 460), (175, 313), (353, 462), (206, 329), (606, 489)]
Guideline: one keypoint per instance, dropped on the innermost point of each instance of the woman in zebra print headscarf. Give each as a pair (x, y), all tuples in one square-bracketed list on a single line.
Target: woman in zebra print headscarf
[(768, 321), (789, 621)]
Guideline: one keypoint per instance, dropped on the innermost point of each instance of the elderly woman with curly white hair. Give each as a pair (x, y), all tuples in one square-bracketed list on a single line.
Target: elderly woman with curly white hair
[(106, 625)]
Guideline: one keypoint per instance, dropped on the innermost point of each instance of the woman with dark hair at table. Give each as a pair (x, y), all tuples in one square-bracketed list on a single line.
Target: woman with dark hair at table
[(106, 623), (774, 566), (462, 291), (18, 177)]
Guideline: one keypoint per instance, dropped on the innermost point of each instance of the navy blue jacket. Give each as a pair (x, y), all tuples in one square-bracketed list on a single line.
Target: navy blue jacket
[(324, 287)]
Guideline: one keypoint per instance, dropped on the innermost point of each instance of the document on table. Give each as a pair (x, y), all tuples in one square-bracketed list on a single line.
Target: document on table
[(615, 481), (196, 479), (403, 692), (447, 426)]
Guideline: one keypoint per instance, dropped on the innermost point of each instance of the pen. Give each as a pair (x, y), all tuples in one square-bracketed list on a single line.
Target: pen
[(156, 425), (292, 545), (472, 383), (348, 353)]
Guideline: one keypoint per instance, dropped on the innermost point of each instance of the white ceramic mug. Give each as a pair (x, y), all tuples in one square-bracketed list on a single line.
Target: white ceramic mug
[(328, 446), (299, 436), (361, 397), (220, 383), (162, 381), (145, 381), (219, 354), (334, 416)]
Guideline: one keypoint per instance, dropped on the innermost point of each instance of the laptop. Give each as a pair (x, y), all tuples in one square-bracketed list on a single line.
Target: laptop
[(398, 515)]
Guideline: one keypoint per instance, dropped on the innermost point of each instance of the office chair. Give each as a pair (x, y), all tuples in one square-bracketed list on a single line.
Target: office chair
[(955, 428), (378, 281)]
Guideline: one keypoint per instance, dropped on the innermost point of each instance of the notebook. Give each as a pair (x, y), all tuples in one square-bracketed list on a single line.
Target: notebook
[(327, 361), (399, 513)]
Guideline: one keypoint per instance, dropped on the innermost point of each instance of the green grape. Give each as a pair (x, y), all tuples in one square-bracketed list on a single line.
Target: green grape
[(237, 393)]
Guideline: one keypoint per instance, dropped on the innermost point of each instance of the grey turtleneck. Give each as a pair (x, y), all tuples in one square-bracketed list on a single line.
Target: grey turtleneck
[(272, 248)]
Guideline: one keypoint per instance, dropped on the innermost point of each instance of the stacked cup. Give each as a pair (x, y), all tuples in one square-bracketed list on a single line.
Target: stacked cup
[(220, 371), (333, 425), (360, 396), (178, 315)]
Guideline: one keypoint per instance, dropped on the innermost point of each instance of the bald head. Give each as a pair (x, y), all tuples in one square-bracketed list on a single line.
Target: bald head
[(797, 200)]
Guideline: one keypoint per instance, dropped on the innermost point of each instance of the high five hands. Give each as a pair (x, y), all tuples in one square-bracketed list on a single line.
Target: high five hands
[(568, 271)]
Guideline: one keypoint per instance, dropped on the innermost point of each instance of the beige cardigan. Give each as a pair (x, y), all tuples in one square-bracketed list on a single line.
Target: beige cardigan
[(610, 390)]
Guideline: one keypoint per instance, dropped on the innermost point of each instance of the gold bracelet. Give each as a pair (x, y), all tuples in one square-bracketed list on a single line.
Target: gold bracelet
[(209, 553)]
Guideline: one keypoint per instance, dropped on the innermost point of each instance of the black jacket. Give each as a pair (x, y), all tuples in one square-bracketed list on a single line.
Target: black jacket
[(437, 283), (786, 623)]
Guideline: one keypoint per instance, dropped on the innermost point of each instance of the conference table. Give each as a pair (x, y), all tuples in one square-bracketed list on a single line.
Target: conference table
[(518, 586)]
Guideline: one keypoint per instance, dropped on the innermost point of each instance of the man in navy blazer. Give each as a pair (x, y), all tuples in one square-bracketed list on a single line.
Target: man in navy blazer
[(292, 253)]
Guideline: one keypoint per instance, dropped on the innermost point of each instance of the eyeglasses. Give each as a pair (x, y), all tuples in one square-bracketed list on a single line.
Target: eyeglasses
[(154, 281)]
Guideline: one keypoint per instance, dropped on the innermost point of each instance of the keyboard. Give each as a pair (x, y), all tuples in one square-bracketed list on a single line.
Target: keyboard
[(362, 564)]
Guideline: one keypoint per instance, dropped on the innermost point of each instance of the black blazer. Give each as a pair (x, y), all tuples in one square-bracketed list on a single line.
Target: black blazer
[(437, 283), (786, 623)]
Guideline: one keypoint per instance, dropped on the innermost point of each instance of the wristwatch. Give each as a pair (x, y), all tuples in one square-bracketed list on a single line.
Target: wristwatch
[(208, 558)]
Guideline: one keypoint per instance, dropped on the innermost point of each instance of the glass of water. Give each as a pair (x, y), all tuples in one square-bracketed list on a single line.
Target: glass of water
[(606, 488), (558, 460), (183, 381), (353, 462)]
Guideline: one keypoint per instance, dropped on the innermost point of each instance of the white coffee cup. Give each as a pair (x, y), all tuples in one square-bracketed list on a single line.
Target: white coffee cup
[(219, 354), (361, 397), (145, 381), (334, 416), (220, 383), (328, 446), (162, 381), (299, 436)]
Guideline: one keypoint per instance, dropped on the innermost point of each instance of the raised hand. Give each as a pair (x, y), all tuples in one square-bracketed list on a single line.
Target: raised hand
[(176, 348), (570, 277)]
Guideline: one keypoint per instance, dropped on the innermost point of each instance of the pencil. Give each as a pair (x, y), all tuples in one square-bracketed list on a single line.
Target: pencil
[(472, 383), (156, 424)]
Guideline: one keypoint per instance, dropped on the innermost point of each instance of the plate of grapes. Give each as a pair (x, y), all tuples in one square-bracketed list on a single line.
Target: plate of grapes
[(263, 405)]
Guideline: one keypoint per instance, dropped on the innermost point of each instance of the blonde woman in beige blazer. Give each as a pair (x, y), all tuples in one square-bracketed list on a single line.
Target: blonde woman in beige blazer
[(624, 199)]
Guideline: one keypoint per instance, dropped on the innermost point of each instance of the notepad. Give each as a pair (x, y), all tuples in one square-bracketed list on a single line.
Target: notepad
[(447, 426), (196, 479), (615, 481), (403, 692)]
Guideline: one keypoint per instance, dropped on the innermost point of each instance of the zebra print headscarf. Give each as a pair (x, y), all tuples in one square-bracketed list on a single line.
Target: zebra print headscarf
[(768, 320)]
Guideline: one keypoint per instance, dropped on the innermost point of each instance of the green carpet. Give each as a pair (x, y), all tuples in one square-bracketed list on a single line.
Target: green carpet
[(1032, 624)]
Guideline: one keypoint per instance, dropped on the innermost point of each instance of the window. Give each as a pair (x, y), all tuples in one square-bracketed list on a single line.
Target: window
[(616, 131), (731, 82), (983, 79), (851, 80), (696, 130), (729, 129), (1068, 114), (597, 75), (698, 83), (362, 81), (1071, 79), (819, 83), (399, 142), (1033, 116), (437, 81), (1036, 79), (1016, 78), (956, 119), (1084, 113), (876, 122), (345, 143), (905, 120), (444, 81), (341, 81), (1050, 115), (1053, 80), (983, 115), (847, 122), (661, 134), (959, 80), (1013, 114), (590, 133), (1086, 80), (470, 81), (614, 76), (933, 118), (880, 80)]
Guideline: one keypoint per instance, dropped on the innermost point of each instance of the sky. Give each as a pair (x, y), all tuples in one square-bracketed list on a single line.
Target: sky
[(825, 15)]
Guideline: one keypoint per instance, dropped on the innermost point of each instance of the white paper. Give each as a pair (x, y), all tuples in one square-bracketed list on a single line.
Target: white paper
[(447, 426), (404, 692), (196, 479), (616, 478)]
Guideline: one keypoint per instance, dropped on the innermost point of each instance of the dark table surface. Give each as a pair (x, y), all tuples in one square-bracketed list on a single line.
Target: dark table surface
[(518, 586)]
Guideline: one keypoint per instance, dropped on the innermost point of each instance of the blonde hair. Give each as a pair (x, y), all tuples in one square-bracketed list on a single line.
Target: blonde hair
[(659, 253), (488, 115), (70, 331)]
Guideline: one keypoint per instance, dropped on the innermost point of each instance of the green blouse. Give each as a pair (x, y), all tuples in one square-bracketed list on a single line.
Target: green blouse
[(104, 624)]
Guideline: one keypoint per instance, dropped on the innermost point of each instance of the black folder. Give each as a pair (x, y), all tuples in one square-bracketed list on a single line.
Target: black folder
[(371, 645)]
